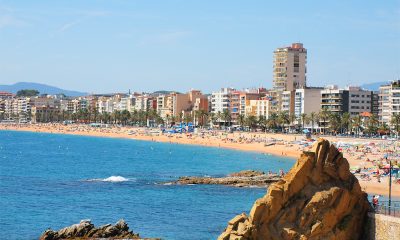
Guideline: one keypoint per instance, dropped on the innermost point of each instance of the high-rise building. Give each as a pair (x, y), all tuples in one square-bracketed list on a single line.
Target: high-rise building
[(389, 101), (290, 67)]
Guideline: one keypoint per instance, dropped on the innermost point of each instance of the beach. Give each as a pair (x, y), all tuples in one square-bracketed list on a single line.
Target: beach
[(363, 154)]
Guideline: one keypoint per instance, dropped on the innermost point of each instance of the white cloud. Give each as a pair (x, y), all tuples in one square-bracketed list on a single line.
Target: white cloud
[(10, 21), (69, 25)]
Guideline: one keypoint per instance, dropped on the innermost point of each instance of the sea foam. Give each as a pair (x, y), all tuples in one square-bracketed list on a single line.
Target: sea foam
[(111, 179)]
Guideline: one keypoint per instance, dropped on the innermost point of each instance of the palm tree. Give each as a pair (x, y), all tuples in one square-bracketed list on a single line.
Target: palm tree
[(304, 119), (187, 118), (272, 120), (241, 120), (346, 121), (334, 122), (226, 116), (372, 124), (383, 129), (213, 118), (357, 122), (283, 119), (323, 115), (395, 121), (203, 117), (262, 122), (125, 116), (251, 122), (313, 119)]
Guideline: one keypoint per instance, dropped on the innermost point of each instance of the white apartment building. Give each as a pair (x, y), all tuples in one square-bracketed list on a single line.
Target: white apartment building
[(263, 107), (17, 108), (287, 101), (389, 101), (164, 106), (220, 100)]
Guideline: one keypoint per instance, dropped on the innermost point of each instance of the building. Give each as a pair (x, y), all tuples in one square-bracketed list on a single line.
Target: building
[(289, 69), (164, 106), (287, 101), (45, 114), (18, 109), (307, 100), (6, 95), (263, 107), (240, 102), (360, 100), (352, 99), (375, 103), (335, 100), (389, 101), (221, 100)]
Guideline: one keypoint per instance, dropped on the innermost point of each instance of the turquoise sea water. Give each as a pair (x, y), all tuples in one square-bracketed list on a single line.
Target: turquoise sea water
[(51, 180)]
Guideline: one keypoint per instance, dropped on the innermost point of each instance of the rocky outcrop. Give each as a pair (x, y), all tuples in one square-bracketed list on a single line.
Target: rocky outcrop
[(317, 199), (86, 230), (240, 179)]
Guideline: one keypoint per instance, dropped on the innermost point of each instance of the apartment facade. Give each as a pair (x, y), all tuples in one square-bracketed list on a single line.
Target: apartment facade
[(389, 101), (335, 100), (307, 100), (289, 67), (221, 100)]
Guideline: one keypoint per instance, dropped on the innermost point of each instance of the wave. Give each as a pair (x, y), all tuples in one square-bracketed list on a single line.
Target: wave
[(113, 179)]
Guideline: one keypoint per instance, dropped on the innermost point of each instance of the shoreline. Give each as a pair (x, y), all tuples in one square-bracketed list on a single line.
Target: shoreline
[(220, 140)]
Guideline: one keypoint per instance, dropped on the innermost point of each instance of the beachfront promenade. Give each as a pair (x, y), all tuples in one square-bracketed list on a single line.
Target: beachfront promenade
[(367, 157)]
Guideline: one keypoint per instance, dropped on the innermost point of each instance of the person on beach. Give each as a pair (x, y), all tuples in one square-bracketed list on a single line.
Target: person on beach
[(375, 202), (281, 173)]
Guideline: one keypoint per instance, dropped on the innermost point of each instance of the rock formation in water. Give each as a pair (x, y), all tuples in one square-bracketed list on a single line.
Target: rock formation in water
[(317, 199), (86, 230), (244, 178)]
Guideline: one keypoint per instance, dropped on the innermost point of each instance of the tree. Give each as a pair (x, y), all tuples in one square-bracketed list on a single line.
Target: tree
[(346, 122), (313, 119), (262, 122), (251, 122), (357, 122), (241, 120), (226, 116), (27, 93), (203, 117), (323, 115), (334, 122), (187, 118), (372, 124), (283, 119), (395, 121), (125, 116), (272, 121), (304, 119), (213, 118)]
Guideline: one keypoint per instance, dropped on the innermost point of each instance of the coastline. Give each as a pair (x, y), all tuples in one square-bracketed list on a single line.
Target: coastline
[(236, 141)]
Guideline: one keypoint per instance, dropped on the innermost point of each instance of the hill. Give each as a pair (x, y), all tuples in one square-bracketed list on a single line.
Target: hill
[(42, 88)]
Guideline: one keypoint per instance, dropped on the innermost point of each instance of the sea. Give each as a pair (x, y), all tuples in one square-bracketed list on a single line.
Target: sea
[(55, 180)]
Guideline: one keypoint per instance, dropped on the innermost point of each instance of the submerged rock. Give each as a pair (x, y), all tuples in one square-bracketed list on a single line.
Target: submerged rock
[(86, 230), (240, 179), (317, 199)]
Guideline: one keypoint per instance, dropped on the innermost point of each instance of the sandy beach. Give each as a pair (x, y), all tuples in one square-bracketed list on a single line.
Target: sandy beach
[(268, 143)]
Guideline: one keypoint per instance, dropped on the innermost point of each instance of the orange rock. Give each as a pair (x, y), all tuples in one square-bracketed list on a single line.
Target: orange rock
[(317, 199)]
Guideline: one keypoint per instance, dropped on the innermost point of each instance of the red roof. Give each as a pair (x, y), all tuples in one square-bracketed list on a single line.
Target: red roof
[(365, 114)]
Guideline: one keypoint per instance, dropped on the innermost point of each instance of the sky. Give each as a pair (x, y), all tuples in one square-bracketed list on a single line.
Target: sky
[(112, 46)]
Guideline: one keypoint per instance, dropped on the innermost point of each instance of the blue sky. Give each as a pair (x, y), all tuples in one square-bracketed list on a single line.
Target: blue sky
[(147, 45)]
